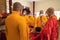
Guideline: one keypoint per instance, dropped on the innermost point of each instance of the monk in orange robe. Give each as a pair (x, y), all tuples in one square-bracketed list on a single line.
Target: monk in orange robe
[(51, 27), (41, 20), (16, 26)]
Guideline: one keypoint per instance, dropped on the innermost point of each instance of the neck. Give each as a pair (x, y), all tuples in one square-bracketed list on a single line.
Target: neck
[(50, 15), (19, 12)]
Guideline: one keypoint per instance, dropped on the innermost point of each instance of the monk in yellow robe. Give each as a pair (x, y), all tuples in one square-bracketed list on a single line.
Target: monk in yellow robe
[(16, 26), (41, 20), (29, 19)]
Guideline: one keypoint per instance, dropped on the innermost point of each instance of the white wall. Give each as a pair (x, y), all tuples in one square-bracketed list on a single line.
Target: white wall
[(23, 2), (46, 4)]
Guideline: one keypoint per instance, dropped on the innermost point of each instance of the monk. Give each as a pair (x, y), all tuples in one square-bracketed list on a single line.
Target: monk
[(16, 26), (41, 20), (29, 19), (51, 27)]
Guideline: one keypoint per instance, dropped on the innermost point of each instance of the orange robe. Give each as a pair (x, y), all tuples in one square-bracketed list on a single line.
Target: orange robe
[(16, 27), (27, 19), (30, 21), (35, 22), (41, 20)]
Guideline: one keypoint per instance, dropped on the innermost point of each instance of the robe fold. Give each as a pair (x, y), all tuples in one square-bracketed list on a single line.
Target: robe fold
[(32, 20), (51, 29), (35, 22), (41, 20), (36, 36)]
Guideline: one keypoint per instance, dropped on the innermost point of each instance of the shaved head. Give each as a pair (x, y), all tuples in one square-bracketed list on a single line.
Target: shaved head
[(41, 11), (50, 11), (17, 6)]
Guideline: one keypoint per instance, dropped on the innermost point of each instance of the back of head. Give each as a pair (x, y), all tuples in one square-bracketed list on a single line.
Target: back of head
[(41, 11), (17, 6), (27, 10), (50, 11), (38, 29)]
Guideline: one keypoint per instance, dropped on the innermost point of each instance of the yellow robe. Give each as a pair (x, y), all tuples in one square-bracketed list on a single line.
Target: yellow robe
[(41, 21), (27, 19), (31, 20), (16, 27), (35, 22)]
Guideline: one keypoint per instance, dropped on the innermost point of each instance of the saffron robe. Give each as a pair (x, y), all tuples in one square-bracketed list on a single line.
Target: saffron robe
[(41, 20), (16, 27)]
